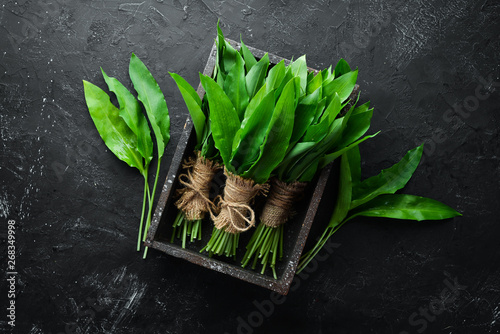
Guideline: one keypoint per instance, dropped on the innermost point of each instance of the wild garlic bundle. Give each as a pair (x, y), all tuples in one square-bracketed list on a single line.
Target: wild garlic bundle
[(194, 200), (252, 142), (125, 130), (321, 133)]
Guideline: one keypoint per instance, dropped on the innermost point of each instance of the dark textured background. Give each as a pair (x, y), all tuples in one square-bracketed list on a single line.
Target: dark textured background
[(77, 207)]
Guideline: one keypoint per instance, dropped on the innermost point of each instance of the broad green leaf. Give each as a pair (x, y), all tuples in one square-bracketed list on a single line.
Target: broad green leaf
[(356, 126), (254, 102), (315, 83), (320, 110), (229, 57), (187, 88), (294, 154), (310, 76), (288, 76), (389, 180), (342, 85), (219, 77), (280, 129), (317, 132), (220, 42), (402, 206), (333, 108), (250, 60), (301, 165), (299, 69), (362, 108), (275, 76), (336, 133), (342, 68), (255, 77), (325, 145), (131, 112), (251, 136), (226, 54), (304, 115), (325, 160), (115, 133), (151, 96), (235, 86), (193, 103), (327, 75), (344, 193), (223, 117), (309, 173)]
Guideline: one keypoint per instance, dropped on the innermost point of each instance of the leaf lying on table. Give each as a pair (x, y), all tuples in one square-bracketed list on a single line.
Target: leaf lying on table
[(402, 206), (112, 128), (375, 197), (125, 130), (388, 181)]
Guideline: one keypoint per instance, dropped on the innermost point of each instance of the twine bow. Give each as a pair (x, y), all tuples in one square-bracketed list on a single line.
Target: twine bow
[(236, 215), (194, 197)]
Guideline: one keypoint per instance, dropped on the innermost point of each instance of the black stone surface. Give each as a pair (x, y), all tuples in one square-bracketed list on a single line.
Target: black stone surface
[(431, 70)]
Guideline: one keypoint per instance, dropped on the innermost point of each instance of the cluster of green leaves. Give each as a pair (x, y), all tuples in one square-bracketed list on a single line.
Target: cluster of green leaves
[(284, 120), (125, 130), (251, 111), (198, 109), (376, 197), (252, 115), (321, 133)]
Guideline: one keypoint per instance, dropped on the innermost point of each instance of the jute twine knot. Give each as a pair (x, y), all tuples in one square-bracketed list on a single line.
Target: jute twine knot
[(194, 197), (282, 196), (236, 215)]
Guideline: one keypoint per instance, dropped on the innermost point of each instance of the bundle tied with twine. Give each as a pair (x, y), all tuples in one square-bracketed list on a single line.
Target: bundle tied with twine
[(194, 198), (278, 207), (236, 215)]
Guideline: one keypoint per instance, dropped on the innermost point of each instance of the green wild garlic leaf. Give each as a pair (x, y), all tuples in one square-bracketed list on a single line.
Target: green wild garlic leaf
[(402, 206), (131, 112), (193, 104), (389, 180), (151, 96), (115, 133), (224, 120)]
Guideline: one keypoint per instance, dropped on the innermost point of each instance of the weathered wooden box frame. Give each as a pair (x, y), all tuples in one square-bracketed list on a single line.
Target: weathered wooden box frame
[(297, 229)]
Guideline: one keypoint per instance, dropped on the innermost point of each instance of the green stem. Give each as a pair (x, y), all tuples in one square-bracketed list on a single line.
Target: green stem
[(265, 244), (185, 227), (151, 199), (143, 211), (222, 243), (307, 257)]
